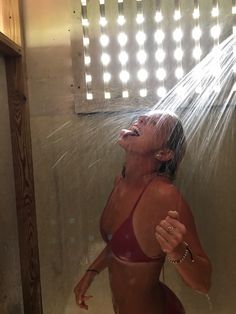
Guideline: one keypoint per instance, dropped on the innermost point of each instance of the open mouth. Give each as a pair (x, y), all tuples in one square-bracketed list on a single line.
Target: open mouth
[(134, 131)]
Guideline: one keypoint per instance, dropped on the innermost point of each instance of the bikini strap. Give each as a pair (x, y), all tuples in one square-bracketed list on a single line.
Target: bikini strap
[(110, 195), (136, 203), (140, 195)]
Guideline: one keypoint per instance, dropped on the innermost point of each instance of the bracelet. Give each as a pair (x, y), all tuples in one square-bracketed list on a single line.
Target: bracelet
[(186, 252), (93, 270)]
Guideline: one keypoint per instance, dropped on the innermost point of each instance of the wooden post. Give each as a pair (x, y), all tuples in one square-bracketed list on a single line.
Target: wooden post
[(10, 20), (23, 167), (24, 185)]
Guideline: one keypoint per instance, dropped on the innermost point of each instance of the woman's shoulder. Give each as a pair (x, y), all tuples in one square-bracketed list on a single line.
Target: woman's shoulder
[(162, 186), (165, 194)]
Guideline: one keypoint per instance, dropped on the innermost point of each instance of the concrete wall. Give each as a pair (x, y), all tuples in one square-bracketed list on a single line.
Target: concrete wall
[(10, 280), (75, 160)]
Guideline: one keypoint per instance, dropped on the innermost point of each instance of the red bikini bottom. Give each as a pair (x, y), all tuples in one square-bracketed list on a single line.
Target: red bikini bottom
[(172, 303)]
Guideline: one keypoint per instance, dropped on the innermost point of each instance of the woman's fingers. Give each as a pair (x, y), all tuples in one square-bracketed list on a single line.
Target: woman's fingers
[(80, 300), (167, 226), (173, 219), (80, 290), (173, 214), (163, 243), (83, 305), (171, 236), (177, 225), (170, 232), (86, 297)]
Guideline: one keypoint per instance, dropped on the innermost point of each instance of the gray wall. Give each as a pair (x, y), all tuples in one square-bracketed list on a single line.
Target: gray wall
[(75, 160), (10, 280)]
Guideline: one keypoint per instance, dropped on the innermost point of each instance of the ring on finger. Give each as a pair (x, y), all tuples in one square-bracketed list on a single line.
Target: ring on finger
[(170, 229)]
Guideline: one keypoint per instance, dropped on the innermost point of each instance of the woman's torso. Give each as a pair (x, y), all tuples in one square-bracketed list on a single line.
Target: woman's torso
[(134, 281)]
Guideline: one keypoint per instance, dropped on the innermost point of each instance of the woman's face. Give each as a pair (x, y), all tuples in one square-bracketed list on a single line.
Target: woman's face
[(146, 135)]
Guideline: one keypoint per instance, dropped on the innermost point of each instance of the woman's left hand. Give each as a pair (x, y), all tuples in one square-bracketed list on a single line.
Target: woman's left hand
[(170, 233)]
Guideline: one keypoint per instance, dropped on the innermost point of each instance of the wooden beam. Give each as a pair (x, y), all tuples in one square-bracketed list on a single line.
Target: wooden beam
[(24, 185), (23, 173), (10, 20), (8, 47)]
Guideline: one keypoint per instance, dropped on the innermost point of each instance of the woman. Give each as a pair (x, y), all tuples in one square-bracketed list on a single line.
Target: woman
[(145, 220)]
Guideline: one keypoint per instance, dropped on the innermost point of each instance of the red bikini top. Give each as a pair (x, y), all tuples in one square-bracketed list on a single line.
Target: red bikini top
[(123, 242)]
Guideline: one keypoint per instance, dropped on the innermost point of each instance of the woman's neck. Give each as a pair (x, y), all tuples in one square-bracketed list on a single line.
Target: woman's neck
[(140, 168)]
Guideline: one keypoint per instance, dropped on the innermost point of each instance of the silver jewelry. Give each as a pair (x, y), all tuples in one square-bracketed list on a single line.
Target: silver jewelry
[(170, 228), (186, 252)]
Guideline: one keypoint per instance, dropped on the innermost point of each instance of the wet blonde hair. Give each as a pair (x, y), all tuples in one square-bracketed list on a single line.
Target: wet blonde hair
[(176, 142)]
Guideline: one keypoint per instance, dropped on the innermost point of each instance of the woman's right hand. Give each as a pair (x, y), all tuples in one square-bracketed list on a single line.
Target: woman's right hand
[(81, 288)]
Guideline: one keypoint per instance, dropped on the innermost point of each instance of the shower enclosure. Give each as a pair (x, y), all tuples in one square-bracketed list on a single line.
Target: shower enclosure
[(91, 66)]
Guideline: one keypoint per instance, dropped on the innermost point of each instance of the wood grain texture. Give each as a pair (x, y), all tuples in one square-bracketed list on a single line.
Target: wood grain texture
[(24, 185), (9, 47), (10, 20), (22, 158)]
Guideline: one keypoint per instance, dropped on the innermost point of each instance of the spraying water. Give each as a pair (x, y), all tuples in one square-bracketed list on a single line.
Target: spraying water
[(208, 88), (204, 99)]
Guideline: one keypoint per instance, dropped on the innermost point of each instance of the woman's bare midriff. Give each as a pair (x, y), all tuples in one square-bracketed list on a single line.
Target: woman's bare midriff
[(135, 287)]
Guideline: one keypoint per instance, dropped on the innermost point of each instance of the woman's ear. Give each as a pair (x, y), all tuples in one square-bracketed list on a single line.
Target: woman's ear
[(164, 154)]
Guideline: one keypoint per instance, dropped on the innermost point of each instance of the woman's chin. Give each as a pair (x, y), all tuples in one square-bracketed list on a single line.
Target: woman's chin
[(122, 142), (125, 139)]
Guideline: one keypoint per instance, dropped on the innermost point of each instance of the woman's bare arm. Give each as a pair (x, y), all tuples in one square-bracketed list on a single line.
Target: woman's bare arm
[(101, 262), (195, 270), (179, 227), (80, 290)]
